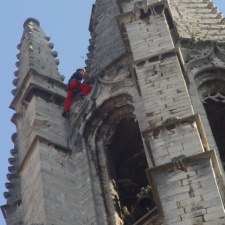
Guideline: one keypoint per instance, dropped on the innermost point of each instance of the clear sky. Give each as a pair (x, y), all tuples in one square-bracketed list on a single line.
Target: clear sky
[(66, 22)]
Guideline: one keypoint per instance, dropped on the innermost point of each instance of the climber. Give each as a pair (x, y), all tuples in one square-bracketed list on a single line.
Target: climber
[(75, 84)]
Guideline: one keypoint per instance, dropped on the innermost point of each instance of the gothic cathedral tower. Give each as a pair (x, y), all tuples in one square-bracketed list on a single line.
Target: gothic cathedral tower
[(146, 146)]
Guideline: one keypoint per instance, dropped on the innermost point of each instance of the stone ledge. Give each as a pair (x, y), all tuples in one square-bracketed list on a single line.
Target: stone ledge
[(32, 148), (31, 81)]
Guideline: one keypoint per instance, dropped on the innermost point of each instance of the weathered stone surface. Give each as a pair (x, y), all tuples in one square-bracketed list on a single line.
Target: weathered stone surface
[(157, 102)]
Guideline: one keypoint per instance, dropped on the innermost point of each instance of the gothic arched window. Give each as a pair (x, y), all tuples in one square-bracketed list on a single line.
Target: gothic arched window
[(211, 88)]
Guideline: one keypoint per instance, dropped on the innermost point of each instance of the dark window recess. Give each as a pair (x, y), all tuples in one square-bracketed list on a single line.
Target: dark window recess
[(144, 14), (168, 19), (136, 81), (142, 63), (127, 164), (59, 148), (216, 116), (62, 151), (154, 59), (170, 127), (58, 99), (125, 37), (159, 9), (168, 55), (37, 92), (123, 28)]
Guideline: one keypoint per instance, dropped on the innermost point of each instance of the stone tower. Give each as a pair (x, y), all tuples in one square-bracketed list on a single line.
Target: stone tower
[(146, 146)]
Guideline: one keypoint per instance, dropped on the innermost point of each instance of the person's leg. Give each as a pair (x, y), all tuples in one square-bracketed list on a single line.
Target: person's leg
[(68, 101), (84, 88), (72, 86)]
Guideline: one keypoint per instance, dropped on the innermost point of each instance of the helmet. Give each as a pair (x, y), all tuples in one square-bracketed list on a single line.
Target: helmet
[(81, 68)]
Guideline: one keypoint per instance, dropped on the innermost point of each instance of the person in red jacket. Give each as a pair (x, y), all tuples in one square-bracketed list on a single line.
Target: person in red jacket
[(75, 84)]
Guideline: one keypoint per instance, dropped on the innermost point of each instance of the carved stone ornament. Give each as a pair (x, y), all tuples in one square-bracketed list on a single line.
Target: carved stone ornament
[(222, 47), (215, 96), (171, 120), (198, 51), (116, 73), (211, 85), (180, 163)]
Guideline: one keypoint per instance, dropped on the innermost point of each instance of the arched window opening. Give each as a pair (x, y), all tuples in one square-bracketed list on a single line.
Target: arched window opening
[(127, 164), (216, 115), (211, 88)]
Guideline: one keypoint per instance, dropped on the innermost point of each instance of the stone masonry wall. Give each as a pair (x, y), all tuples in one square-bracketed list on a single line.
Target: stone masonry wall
[(32, 190), (173, 140), (42, 119), (163, 89), (60, 187), (191, 196), (106, 38), (149, 37), (198, 18)]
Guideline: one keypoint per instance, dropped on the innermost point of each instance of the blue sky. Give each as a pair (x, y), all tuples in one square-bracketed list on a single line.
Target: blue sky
[(66, 22)]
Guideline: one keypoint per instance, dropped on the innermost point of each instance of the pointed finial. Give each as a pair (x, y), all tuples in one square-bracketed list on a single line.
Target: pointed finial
[(31, 20)]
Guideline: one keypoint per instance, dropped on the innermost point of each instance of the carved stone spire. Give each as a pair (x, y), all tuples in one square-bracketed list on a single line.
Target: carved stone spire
[(37, 66), (38, 98)]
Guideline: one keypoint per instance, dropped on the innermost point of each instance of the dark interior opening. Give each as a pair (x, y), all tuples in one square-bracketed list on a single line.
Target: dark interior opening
[(159, 9), (216, 115), (127, 164), (125, 37), (44, 95), (144, 14), (37, 92), (154, 59), (136, 81), (168, 19)]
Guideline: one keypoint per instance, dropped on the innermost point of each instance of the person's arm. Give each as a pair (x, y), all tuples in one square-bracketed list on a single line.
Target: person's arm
[(86, 76), (77, 76)]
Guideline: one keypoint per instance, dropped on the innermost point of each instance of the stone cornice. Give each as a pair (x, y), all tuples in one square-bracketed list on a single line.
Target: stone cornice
[(26, 85)]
